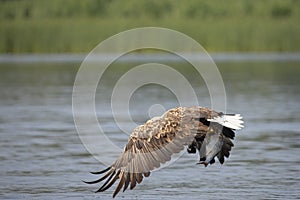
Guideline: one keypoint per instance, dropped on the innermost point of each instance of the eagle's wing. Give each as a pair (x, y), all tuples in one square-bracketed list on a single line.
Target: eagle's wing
[(153, 144), (218, 142)]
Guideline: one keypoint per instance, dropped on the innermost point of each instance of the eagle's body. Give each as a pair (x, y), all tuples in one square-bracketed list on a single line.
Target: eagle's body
[(154, 142)]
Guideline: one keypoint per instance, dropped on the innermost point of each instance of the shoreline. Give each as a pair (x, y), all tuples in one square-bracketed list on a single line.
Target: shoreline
[(217, 57)]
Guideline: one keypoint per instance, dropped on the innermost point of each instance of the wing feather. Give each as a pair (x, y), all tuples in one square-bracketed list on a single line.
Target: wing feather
[(105, 187), (107, 181), (101, 172), (127, 177), (121, 183), (100, 179)]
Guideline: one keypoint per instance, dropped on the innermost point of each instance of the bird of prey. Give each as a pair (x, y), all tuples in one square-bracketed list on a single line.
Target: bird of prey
[(153, 143)]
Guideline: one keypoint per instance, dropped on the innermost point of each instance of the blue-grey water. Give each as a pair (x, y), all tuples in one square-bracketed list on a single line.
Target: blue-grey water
[(42, 157)]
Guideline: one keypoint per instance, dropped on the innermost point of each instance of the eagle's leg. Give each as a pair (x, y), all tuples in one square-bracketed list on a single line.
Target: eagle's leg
[(196, 144), (205, 163), (192, 148)]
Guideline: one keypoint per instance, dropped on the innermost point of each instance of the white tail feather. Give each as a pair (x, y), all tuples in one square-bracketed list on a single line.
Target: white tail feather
[(230, 121)]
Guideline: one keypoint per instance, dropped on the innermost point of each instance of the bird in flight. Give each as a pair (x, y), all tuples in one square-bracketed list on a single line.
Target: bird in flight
[(153, 143)]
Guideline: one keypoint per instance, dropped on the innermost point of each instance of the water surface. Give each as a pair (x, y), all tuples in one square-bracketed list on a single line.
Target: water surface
[(42, 157)]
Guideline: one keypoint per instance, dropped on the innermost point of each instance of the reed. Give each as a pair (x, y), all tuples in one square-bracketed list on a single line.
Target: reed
[(57, 26)]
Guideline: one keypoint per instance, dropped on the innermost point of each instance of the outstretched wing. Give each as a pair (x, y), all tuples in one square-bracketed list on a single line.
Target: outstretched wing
[(153, 144)]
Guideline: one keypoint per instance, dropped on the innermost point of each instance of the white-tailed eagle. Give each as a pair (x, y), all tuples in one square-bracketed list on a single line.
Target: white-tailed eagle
[(154, 142)]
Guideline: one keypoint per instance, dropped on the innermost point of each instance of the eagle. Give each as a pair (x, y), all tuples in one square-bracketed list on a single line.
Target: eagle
[(152, 144)]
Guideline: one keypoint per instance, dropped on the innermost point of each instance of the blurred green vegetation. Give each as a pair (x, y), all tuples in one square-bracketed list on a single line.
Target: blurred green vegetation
[(31, 26)]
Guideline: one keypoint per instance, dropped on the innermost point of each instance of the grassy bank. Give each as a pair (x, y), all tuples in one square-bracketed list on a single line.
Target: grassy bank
[(29, 26)]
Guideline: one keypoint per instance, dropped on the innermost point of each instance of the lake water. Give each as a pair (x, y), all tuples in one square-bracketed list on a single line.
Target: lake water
[(42, 157)]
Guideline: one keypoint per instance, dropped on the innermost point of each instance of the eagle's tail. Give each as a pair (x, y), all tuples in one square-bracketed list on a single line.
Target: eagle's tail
[(234, 121)]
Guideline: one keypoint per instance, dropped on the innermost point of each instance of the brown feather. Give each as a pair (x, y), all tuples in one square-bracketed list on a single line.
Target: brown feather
[(147, 174), (110, 183), (101, 172), (121, 183), (100, 179), (127, 180), (132, 181), (107, 181), (139, 177)]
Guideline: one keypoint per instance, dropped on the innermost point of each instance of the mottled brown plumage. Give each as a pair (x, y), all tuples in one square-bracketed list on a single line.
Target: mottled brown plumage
[(154, 142)]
